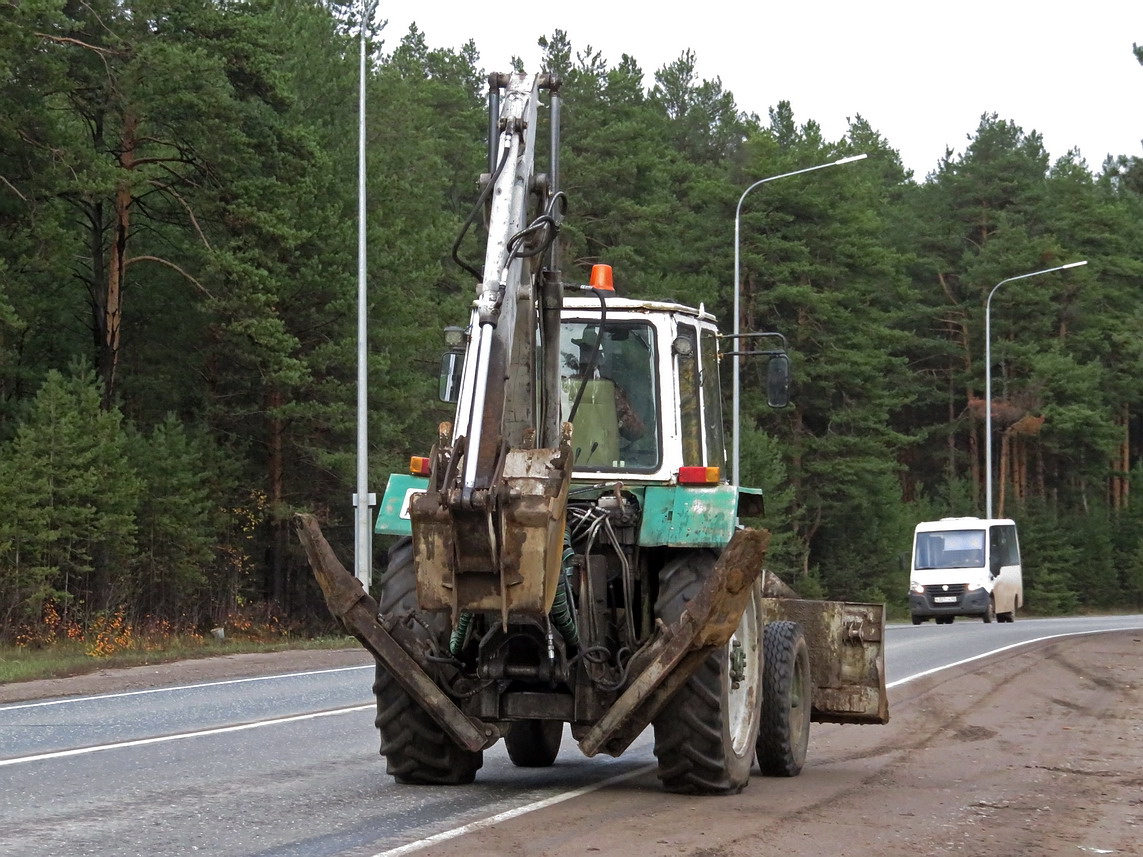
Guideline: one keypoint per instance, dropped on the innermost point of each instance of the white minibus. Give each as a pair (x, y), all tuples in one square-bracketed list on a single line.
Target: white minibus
[(965, 567)]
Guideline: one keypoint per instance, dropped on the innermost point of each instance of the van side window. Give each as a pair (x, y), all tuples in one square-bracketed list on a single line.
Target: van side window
[(1003, 544)]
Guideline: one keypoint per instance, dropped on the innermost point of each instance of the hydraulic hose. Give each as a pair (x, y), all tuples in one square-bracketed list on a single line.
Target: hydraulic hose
[(456, 640), (563, 611)]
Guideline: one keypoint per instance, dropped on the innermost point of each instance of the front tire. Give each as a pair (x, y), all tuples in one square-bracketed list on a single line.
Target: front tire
[(990, 614), (416, 750), (787, 696), (705, 734), (534, 743)]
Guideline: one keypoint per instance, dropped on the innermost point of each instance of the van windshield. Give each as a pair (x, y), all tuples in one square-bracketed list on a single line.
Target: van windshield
[(950, 549)]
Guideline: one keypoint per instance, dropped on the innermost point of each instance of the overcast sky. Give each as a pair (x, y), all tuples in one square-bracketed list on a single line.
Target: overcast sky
[(921, 73)]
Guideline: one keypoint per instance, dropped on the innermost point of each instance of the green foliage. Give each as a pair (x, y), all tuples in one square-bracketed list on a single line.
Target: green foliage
[(69, 496), (186, 174), (176, 520)]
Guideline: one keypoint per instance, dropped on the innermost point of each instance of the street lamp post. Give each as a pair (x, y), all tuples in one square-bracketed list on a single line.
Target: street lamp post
[(734, 477), (988, 377), (362, 499)]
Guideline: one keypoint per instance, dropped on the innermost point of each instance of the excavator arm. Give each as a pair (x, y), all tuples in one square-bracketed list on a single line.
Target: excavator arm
[(488, 532)]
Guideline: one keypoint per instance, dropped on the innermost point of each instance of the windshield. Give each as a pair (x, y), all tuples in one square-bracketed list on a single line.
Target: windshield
[(616, 420), (950, 549)]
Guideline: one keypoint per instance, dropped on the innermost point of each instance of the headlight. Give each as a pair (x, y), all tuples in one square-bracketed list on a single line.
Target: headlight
[(916, 587)]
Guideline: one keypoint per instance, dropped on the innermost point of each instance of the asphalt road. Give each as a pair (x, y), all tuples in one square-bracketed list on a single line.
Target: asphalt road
[(287, 764)]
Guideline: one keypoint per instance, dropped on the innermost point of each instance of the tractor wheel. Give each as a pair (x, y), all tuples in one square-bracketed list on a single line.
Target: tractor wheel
[(787, 693), (416, 749), (534, 743), (705, 734)]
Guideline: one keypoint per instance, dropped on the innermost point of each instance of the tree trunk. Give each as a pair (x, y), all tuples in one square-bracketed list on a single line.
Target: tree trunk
[(110, 302), (1121, 465), (1001, 473), (276, 429)]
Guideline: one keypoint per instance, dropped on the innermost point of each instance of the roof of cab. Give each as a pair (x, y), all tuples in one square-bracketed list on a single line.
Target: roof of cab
[(578, 305)]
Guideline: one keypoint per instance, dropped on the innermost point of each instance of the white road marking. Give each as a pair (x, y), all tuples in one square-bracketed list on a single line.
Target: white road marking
[(511, 813), (101, 696), (991, 652), (543, 804), (141, 742)]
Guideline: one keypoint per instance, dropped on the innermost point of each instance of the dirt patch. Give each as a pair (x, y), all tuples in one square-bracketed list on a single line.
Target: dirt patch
[(1036, 752), (184, 672)]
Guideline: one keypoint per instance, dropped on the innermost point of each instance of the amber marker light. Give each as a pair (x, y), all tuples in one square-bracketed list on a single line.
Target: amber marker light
[(420, 465), (601, 278)]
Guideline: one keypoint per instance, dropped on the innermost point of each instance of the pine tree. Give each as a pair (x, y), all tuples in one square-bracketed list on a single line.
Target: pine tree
[(72, 496)]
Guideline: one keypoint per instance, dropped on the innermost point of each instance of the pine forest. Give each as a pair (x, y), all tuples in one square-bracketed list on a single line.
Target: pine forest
[(178, 306)]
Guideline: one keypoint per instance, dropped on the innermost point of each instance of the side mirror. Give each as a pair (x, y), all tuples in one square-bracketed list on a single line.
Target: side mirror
[(994, 564), (778, 381), (451, 365)]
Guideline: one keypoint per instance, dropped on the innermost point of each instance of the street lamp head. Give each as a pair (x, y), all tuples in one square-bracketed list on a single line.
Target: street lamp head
[(737, 227), (988, 376)]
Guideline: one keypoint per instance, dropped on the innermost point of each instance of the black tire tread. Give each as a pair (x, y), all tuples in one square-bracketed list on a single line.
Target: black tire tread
[(416, 750), (534, 743), (690, 745), (780, 752)]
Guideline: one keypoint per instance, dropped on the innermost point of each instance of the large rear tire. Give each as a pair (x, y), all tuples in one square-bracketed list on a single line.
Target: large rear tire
[(534, 743), (417, 751), (705, 734), (787, 694)]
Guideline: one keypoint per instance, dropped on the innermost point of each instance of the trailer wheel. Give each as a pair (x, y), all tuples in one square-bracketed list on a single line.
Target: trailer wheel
[(534, 743), (787, 694), (416, 749), (705, 734)]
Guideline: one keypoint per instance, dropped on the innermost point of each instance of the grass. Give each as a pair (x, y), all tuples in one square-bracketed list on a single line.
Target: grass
[(67, 658)]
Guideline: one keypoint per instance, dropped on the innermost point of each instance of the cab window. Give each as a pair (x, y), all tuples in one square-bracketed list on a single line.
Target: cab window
[(690, 394), (612, 375), (712, 402)]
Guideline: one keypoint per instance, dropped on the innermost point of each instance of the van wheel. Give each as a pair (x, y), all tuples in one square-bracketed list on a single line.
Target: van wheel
[(1010, 616), (917, 620), (990, 614)]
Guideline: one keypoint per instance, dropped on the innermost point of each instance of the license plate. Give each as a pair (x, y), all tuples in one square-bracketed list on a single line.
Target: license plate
[(945, 599)]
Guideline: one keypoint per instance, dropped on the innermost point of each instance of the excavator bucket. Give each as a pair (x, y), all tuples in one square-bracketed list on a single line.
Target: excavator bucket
[(502, 555)]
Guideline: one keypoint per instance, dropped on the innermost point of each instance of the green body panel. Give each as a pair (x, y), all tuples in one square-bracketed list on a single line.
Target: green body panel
[(673, 515), (689, 515), (393, 517)]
